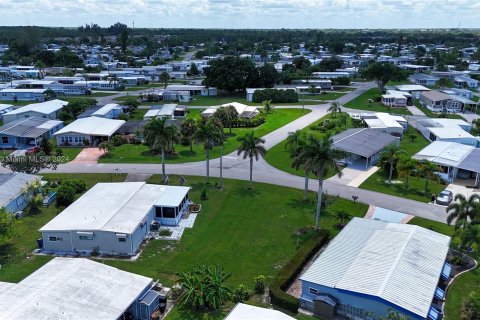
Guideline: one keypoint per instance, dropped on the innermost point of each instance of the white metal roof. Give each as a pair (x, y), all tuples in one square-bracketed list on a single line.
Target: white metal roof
[(46, 107), (450, 133), (12, 184), (411, 87), (23, 90), (397, 262), (115, 207), (166, 110), (388, 120), (444, 153), (247, 312), (94, 126), (72, 288), (106, 109), (183, 87), (396, 94), (5, 106)]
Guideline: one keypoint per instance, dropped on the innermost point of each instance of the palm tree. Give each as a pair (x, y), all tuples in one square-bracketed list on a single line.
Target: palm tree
[(300, 161), (267, 106), (444, 82), (251, 147), (113, 79), (334, 108), (463, 210), (209, 132), (187, 132), (342, 217), (427, 170), (391, 154), (294, 141), (164, 77), (319, 155), (159, 136), (405, 167)]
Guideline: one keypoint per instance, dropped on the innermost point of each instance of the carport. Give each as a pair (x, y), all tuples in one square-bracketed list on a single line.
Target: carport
[(470, 167)]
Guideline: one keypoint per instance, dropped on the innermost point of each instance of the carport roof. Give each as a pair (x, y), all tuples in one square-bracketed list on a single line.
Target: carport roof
[(471, 162), (363, 142)]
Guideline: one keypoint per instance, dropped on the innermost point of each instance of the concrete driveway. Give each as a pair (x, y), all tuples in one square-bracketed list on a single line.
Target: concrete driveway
[(460, 187), (88, 155)]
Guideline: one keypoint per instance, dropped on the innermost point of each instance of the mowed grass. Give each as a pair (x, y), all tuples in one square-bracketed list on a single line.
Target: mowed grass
[(248, 232), (70, 153), (362, 103), (22, 262), (218, 100), (131, 153), (416, 185), (279, 155)]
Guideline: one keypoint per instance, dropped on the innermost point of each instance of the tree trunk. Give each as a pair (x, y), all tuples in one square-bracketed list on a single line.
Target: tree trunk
[(319, 199), (251, 171), (191, 146), (207, 151), (391, 172), (305, 192), (426, 186), (163, 162)]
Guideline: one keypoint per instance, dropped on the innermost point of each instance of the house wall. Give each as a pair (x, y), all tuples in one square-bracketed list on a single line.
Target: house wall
[(29, 114), (20, 202), (21, 96), (7, 142), (356, 306), (73, 139), (466, 141)]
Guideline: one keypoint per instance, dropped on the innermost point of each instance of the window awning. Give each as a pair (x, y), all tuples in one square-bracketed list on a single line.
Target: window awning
[(84, 233), (433, 314), (120, 235), (439, 293), (447, 268)]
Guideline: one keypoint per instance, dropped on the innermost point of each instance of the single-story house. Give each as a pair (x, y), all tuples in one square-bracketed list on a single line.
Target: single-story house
[(109, 111), (244, 311), (452, 130), (464, 81), (22, 94), (4, 108), (132, 80), (395, 98), (91, 129), (47, 110), (423, 79), (64, 80), (414, 89), (386, 123), (180, 96), (193, 90), (455, 159), (462, 92), (114, 218), (415, 67), (437, 101), (323, 83), (374, 267), (27, 131), (363, 144), (243, 110), (98, 84), (79, 288), (330, 75), (171, 111), (12, 190)]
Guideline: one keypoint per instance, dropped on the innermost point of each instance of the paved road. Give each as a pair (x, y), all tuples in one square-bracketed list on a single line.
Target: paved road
[(238, 168)]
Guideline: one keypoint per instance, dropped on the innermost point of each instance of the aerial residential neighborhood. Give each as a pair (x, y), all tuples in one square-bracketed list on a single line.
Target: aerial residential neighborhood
[(239, 160)]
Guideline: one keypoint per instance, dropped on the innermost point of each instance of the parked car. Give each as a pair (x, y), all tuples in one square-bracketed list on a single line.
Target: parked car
[(32, 150), (444, 197)]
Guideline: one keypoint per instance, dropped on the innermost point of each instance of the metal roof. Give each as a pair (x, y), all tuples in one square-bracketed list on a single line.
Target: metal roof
[(94, 126), (115, 207), (106, 109), (399, 263), (11, 185), (471, 161), (73, 288), (28, 127), (411, 87), (247, 312), (364, 142), (445, 153)]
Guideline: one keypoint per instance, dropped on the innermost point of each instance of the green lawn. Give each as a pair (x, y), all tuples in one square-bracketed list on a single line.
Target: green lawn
[(70, 152), (279, 155), (131, 153), (22, 263), (137, 114), (376, 182), (240, 98), (431, 114), (362, 103), (327, 96)]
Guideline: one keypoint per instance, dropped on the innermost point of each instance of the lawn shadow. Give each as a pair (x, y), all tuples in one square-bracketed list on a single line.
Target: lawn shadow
[(244, 191)]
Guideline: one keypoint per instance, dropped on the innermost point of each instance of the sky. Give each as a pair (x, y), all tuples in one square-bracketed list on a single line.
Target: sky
[(245, 14)]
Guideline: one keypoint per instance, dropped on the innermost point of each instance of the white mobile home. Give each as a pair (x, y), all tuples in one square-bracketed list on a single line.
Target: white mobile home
[(92, 130), (12, 190), (22, 94), (27, 132), (114, 218), (47, 110)]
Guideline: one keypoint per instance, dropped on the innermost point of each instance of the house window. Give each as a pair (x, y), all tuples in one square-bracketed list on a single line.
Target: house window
[(122, 239), (53, 239), (4, 140), (313, 291), (158, 212), (85, 237), (168, 212)]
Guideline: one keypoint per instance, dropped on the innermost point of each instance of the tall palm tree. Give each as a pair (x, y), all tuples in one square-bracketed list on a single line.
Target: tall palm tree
[(209, 133), (319, 155), (464, 210), (299, 159), (334, 108), (405, 167), (113, 78), (159, 136), (427, 170), (164, 77), (187, 132), (391, 154), (251, 147), (294, 141)]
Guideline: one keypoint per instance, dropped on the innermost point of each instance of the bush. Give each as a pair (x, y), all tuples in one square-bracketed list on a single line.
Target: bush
[(458, 261), (249, 122), (288, 273), (78, 185), (240, 294), (117, 141), (259, 285), (471, 307), (275, 95), (203, 195), (341, 81), (165, 232), (65, 195)]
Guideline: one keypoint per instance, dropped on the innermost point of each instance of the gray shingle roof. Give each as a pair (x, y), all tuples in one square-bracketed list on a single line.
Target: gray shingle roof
[(362, 141)]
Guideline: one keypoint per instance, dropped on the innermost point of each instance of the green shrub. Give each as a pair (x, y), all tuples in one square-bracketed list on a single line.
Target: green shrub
[(275, 95), (249, 122), (240, 294), (288, 273), (77, 184), (117, 141), (65, 195), (259, 285), (203, 194), (165, 232)]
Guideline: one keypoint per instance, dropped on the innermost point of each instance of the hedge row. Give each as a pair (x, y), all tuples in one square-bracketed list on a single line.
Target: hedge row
[(275, 95), (287, 274), (249, 122)]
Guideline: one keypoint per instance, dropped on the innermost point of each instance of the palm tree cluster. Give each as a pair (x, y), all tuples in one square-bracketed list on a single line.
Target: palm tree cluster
[(317, 156), (465, 213), (204, 287)]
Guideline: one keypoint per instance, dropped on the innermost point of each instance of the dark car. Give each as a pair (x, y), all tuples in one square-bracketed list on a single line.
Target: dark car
[(444, 197), (32, 150)]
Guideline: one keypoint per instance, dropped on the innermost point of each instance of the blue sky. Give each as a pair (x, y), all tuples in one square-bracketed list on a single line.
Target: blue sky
[(245, 13)]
